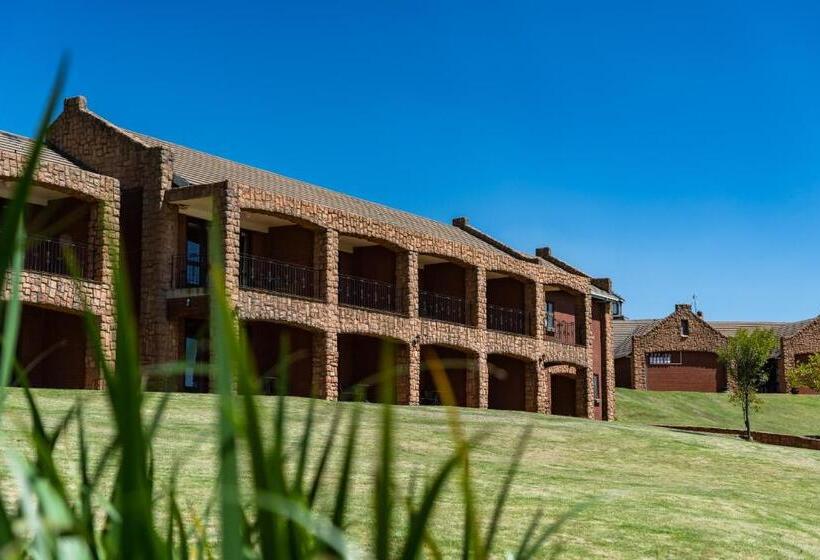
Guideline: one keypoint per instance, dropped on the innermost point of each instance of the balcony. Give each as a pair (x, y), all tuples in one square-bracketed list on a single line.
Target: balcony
[(506, 319), (54, 256), (189, 271), (370, 294), (443, 308), (270, 275), (561, 331)]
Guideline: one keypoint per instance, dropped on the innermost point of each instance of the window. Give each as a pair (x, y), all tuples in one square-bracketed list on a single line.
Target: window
[(664, 358), (616, 309), (684, 327), (596, 387), (549, 320)]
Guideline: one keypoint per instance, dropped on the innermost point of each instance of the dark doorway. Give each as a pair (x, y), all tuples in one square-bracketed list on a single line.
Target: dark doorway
[(52, 345), (196, 353), (268, 342), (563, 395), (507, 386), (455, 364), (360, 362)]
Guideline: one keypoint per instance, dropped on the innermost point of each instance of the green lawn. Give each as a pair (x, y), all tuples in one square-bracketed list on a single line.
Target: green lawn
[(659, 493), (785, 414)]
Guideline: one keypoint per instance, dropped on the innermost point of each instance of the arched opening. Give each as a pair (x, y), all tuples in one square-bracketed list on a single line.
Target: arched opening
[(276, 345), (443, 290), (509, 301), (507, 382), (564, 391), (564, 315), (277, 256), (457, 365), (361, 359), (368, 275), (53, 345)]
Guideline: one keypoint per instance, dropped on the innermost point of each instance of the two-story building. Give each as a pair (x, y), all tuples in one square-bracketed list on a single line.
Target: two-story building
[(345, 281)]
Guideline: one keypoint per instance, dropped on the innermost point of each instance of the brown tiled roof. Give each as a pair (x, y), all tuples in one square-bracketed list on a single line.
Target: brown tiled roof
[(624, 330), (781, 329), (201, 168), (14, 143)]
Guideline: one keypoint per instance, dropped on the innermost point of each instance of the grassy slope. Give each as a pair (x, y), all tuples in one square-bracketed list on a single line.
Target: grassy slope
[(787, 414), (660, 493)]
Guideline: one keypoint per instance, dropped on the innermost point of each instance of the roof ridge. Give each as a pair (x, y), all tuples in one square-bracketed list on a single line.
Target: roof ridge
[(255, 168)]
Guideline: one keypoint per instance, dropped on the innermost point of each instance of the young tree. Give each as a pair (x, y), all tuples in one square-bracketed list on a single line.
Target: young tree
[(806, 374), (744, 357)]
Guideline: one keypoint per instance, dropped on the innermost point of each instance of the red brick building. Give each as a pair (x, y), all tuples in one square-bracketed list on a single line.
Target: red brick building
[(344, 279), (679, 352)]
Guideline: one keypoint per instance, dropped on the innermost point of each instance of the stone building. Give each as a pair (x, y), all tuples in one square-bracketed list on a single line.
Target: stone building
[(71, 216), (679, 352), (345, 282)]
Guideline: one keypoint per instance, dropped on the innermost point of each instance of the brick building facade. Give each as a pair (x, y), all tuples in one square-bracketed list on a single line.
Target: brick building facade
[(679, 352), (344, 280)]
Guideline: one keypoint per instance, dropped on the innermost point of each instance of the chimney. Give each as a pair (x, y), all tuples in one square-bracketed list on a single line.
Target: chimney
[(603, 283), (543, 252), (700, 313), (78, 103), (461, 221), (683, 307)]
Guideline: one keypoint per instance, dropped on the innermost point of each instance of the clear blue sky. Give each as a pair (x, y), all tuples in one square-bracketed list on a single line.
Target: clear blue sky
[(672, 146)]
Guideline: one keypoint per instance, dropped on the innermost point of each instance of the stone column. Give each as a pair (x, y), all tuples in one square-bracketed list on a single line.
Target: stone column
[(227, 212), (408, 368), (478, 381), (608, 375), (584, 401), (476, 290), (538, 390), (326, 261), (407, 277), (536, 306), (326, 365)]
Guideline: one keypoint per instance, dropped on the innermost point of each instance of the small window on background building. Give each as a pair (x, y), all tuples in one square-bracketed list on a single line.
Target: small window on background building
[(549, 320), (684, 327), (616, 308)]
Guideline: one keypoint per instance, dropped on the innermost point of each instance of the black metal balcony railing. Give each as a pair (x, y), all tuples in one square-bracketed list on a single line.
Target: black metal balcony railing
[(443, 308), (562, 331), (54, 256), (189, 271), (270, 275), (506, 319), (364, 292)]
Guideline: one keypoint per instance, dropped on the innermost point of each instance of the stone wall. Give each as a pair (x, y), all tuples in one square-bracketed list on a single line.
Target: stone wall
[(804, 341)]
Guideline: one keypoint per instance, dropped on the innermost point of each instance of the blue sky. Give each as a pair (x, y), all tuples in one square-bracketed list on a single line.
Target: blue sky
[(672, 146)]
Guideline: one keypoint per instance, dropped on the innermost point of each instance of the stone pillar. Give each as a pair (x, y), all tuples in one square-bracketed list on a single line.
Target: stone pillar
[(478, 381), (638, 364), (408, 368), (476, 290), (407, 278), (538, 390), (608, 375), (326, 365), (536, 306), (227, 212), (326, 261), (584, 401), (160, 337)]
